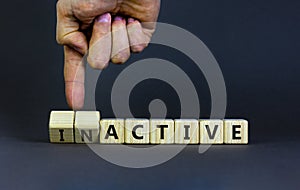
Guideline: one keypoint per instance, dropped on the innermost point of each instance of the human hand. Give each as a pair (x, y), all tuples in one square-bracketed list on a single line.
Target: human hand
[(74, 20)]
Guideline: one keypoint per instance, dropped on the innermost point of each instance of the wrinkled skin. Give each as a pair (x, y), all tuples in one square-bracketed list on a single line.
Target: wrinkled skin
[(106, 30)]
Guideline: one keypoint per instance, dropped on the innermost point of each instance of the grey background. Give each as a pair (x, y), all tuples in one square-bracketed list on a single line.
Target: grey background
[(257, 46)]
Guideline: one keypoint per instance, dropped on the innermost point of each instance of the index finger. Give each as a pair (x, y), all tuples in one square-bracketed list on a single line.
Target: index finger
[(74, 71)]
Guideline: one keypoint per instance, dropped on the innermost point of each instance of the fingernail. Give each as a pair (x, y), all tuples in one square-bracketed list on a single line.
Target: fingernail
[(104, 18), (131, 20), (118, 18)]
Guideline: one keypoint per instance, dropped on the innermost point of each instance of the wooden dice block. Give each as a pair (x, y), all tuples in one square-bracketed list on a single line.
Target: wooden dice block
[(87, 126), (211, 131), (61, 127), (235, 131), (186, 131), (112, 131), (161, 131), (137, 131)]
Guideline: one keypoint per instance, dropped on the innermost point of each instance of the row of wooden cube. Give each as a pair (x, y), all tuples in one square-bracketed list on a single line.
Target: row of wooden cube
[(86, 127)]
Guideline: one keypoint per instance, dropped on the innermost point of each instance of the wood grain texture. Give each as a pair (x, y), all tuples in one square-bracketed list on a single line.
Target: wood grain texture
[(61, 127), (112, 131), (87, 125), (137, 131), (235, 131), (162, 131), (186, 131), (211, 131)]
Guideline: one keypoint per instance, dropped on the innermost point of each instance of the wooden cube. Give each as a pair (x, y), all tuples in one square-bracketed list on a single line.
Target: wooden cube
[(211, 131), (61, 127), (162, 131), (235, 131), (112, 131), (186, 131), (87, 126), (137, 131)]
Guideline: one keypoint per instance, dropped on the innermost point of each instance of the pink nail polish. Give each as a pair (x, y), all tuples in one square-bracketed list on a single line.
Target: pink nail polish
[(118, 18), (131, 20), (104, 18)]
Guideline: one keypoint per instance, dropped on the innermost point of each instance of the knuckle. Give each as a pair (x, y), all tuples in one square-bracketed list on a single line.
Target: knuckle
[(58, 5), (59, 40), (76, 41), (62, 7), (86, 6), (73, 62)]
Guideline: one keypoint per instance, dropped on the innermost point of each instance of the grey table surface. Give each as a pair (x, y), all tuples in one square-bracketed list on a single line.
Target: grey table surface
[(27, 164)]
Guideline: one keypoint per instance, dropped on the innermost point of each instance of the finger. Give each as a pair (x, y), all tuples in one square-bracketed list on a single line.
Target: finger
[(74, 78), (68, 29), (137, 38), (120, 44), (100, 43)]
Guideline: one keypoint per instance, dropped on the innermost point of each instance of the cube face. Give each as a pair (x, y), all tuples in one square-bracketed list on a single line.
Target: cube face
[(86, 135), (61, 127), (186, 131), (62, 138), (235, 131), (162, 131), (211, 131), (58, 118), (62, 134), (87, 117), (137, 131), (112, 131), (87, 126)]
